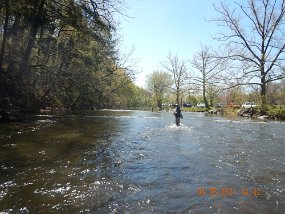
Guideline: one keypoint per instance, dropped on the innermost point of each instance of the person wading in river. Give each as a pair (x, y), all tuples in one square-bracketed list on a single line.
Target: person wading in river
[(178, 115)]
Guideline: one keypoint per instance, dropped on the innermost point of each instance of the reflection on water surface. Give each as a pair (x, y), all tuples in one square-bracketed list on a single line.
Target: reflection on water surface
[(140, 162)]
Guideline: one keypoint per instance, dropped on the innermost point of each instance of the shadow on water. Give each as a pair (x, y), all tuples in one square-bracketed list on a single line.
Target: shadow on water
[(140, 162)]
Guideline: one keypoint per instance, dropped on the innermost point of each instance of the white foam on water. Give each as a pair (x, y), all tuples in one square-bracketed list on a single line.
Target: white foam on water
[(181, 127), (123, 116), (116, 110)]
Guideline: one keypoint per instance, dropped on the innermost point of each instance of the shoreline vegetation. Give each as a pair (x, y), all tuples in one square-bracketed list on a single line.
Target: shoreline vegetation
[(273, 112)]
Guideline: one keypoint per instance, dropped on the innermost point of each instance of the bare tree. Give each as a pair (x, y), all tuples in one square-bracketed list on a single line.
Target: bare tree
[(178, 69), (209, 68), (256, 40)]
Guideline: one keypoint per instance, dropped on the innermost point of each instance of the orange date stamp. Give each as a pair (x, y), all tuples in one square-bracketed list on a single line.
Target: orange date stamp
[(228, 191)]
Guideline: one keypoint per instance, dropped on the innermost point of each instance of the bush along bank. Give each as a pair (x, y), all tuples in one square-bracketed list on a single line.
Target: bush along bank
[(255, 113), (273, 112)]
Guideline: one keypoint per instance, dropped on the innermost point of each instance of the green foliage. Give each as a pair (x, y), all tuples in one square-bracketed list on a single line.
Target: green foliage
[(158, 83), (282, 112), (277, 111), (59, 54), (192, 100)]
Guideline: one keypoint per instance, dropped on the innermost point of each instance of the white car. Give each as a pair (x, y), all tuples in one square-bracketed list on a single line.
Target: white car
[(248, 105), (201, 105)]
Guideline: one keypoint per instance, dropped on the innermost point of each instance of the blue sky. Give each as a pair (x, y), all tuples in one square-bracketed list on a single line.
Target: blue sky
[(160, 26)]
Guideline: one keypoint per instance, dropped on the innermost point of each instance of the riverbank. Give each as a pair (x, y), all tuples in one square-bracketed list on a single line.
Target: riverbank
[(273, 112)]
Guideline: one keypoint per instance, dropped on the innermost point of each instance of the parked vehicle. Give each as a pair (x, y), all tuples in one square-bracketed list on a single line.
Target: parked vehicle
[(248, 105), (187, 105), (219, 105), (201, 105)]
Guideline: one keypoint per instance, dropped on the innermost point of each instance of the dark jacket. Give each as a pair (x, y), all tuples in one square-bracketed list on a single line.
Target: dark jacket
[(177, 112)]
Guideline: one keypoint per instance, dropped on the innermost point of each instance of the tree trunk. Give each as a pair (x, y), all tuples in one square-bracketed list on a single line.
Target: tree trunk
[(263, 96), (205, 101), (211, 102), (159, 104), (177, 96), (33, 32), (204, 95), (2, 53), (263, 89)]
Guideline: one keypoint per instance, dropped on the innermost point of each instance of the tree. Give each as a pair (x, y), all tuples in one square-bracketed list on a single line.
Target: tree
[(159, 82), (209, 68), (178, 69), (234, 95), (5, 29), (213, 93), (256, 40), (274, 91), (60, 53)]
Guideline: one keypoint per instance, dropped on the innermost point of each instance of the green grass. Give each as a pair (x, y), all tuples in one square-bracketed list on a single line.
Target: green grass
[(194, 109), (278, 111)]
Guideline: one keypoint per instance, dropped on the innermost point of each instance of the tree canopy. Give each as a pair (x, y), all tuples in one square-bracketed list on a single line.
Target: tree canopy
[(60, 53), (159, 83), (255, 40)]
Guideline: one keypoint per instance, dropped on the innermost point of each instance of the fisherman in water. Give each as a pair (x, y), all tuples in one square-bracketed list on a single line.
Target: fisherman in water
[(178, 115)]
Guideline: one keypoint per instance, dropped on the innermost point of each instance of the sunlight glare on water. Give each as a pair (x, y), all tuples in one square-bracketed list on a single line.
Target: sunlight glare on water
[(141, 162)]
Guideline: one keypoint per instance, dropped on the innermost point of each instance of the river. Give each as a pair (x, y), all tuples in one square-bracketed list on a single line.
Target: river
[(140, 162)]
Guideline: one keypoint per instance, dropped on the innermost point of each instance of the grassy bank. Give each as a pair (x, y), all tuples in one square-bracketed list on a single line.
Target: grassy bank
[(277, 111), (273, 112)]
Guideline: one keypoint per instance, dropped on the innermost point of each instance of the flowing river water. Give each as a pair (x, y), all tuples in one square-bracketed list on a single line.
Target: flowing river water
[(140, 162)]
